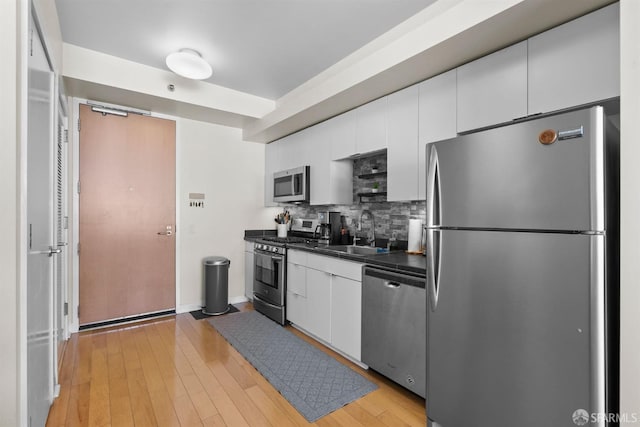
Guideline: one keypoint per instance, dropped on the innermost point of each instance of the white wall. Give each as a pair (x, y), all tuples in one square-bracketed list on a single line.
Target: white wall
[(9, 82), (49, 23), (213, 159), (630, 210)]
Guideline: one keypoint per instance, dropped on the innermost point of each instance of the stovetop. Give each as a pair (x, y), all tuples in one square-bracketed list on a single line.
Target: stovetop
[(284, 240)]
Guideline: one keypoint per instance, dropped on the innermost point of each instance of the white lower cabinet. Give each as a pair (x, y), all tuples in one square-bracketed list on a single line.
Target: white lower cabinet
[(319, 304), (296, 309), (324, 299), (346, 311), (296, 305)]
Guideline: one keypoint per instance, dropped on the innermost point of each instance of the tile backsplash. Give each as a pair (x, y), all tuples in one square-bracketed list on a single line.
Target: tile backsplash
[(390, 217)]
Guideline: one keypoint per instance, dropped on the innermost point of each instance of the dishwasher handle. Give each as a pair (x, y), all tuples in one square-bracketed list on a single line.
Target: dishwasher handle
[(391, 285), (393, 279)]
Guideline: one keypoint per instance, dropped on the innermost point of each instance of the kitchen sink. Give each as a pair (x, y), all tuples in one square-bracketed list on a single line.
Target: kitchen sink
[(356, 250), (364, 250)]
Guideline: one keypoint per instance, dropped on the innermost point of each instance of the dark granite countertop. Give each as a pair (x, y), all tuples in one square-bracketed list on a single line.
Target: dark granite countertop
[(395, 260)]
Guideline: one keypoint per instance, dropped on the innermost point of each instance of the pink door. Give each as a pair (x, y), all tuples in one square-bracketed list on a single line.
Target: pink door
[(127, 215)]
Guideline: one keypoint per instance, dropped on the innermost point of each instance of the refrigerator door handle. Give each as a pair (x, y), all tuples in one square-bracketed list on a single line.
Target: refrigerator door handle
[(433, 187), (434, 242)]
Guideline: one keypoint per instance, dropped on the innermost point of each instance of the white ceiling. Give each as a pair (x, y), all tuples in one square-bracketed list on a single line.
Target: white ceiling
[(262, 47)]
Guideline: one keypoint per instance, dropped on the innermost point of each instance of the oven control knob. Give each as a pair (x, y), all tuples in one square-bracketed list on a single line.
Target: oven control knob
[(274, 249)]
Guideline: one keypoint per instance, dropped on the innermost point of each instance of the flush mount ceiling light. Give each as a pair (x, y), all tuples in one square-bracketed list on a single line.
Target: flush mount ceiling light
[(189, 63)]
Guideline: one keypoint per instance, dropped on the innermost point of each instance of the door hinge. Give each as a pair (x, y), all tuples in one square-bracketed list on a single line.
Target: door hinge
[(31, 43), (30, 235), (78, 124), (66, 308), (78, 310), (78, 187), (66, 136), (78, 250)]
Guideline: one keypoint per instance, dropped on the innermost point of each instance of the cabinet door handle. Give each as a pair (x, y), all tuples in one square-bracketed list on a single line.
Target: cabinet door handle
[(391, 285)]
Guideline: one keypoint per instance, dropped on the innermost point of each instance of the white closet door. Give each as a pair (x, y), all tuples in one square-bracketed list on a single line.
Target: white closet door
[(40, 229)]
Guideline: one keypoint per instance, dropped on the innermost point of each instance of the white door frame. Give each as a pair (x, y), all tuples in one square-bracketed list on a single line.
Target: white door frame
[(74, 239)]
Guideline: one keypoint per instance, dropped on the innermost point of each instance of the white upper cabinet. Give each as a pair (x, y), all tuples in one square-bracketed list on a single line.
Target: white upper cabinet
[(576, 63), (271, 159), (343, 135), (437, 120), (331, 181), (402, 140), (371, 126), (493, 89)]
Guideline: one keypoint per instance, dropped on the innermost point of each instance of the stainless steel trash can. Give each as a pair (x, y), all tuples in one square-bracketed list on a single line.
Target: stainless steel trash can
[(216, 285)]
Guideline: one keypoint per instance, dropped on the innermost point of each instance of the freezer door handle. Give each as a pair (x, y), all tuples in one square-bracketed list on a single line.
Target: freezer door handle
[(433, 187), (434, 242)]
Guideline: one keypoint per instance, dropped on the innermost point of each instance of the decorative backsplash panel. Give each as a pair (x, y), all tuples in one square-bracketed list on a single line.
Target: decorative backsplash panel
[(389, 217)]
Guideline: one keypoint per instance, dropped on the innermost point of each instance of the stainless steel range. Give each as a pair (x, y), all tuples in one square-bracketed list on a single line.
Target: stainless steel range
[(270, 271), (269, 280)]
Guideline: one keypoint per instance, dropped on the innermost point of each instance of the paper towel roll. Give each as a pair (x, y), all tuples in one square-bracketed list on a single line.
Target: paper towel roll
[(415, 235)]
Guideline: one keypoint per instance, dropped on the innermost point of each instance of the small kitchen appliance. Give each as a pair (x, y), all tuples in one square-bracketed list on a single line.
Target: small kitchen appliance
[(291, 185), (328, 228)]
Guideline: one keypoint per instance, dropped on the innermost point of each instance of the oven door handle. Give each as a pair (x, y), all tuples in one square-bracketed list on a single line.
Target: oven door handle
[(274, 271)]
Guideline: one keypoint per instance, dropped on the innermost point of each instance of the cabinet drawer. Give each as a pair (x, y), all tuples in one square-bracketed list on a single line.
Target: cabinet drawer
[(338, 267), (297, 257), (296, 311), (297, 279)]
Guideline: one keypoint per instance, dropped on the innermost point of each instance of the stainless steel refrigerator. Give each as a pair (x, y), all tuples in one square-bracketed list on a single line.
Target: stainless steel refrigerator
[(522, 273)]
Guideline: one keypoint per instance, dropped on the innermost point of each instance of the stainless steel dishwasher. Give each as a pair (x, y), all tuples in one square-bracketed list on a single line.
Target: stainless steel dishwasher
[(394, 322)]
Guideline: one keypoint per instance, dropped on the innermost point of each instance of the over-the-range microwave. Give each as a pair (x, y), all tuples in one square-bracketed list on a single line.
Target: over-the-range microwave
[(291, 185)]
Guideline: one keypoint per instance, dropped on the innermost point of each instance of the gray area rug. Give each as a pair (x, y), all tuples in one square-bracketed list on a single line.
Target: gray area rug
[(313, 382)]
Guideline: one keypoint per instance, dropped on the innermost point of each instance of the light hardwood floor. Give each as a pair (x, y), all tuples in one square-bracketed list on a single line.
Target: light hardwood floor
[(178, 371)]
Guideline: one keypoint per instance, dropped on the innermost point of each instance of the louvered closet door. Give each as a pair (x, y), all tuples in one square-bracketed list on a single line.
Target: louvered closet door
[(127, 203), (61, 240)]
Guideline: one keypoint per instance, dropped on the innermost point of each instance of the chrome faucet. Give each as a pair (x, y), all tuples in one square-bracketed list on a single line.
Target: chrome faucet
[(372, 242)]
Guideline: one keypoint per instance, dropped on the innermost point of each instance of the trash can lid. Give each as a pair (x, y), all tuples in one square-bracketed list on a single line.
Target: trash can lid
[(215, 260)]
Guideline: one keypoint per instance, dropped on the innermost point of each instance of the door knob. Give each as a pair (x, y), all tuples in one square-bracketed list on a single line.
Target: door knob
[(167, 232), (53, 250)]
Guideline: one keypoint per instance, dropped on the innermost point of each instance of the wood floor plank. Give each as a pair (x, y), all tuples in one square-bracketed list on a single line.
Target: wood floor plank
[(99, 409), (82, 369), (68, 360), (78, 407), (186, 411), (120, 402), (179, 371), (344, 418), (391, 420), (268, 408), (363, 416), (141, 406), (215, 421), (242, 401), (164, 409)]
